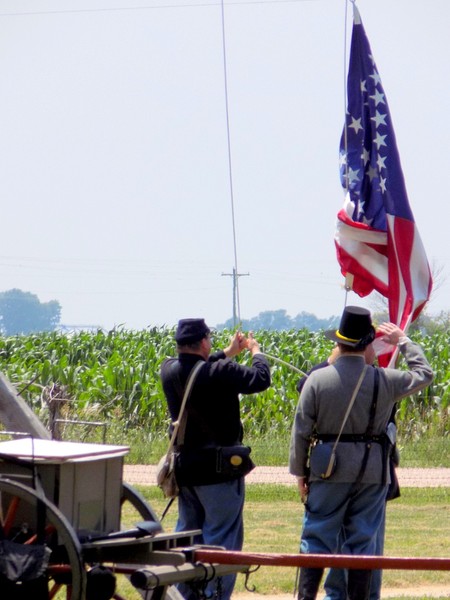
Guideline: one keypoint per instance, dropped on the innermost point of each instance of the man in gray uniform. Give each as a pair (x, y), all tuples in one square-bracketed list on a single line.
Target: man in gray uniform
[(351, 500)]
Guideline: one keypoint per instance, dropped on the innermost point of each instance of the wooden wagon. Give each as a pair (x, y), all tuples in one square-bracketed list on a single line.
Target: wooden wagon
[(61, 513)]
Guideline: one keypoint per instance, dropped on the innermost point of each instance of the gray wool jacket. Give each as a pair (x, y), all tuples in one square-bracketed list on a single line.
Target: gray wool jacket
[(323, 403)]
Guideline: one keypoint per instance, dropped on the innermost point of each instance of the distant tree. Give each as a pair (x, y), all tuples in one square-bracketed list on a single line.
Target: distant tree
[(279, 320), (269, 319), (272, 320), (306, 320), (23, 313)]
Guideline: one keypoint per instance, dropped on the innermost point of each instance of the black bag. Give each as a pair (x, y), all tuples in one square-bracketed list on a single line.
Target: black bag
[(20, 562), (235, 461), (206, 466), (37, 589), (101, 583), (394, 487), (23, 571), (322, 461)]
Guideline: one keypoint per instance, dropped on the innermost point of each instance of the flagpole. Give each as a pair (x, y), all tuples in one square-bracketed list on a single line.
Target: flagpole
[(345, 92), (348, 277)]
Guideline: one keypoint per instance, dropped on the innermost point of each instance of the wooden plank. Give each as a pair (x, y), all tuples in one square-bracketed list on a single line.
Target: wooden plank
[(60, 452)]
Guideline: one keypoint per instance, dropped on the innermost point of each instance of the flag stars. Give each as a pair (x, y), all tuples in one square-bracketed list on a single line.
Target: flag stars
[(379, 140), (361, 213), (356, 124), (342, 159), (378, 98), (362, 86), (381, 160), (383, 184), (376, 77), (352, 175), (365, 156), (372, 173), (380, 119)]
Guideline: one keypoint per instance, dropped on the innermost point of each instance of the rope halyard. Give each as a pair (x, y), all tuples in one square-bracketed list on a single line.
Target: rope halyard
[(230, 164), (286, 364)]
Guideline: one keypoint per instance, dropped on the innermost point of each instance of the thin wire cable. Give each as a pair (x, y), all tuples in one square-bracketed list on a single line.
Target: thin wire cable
[(145, 7), (230, 166)]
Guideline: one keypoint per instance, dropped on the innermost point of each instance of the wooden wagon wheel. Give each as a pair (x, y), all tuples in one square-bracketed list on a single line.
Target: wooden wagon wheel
[(19, 511), (66, 570), (132, 498)]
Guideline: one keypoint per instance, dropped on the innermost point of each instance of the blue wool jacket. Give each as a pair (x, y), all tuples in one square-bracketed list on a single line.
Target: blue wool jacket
[(213, 411)]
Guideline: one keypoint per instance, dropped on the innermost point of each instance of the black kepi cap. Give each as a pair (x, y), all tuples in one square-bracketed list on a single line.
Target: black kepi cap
[(190, 331)]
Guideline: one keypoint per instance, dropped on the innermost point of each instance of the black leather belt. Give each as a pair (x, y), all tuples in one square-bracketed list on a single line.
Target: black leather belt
[(350, 437)]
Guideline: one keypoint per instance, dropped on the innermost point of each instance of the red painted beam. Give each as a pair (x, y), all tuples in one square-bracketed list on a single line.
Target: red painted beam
[(342, 561)]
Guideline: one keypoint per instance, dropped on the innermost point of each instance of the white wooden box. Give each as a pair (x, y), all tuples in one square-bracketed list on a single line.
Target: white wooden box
[(83, 480)]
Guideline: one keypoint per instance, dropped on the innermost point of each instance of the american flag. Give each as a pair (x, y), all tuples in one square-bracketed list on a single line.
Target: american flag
[(377, 241)]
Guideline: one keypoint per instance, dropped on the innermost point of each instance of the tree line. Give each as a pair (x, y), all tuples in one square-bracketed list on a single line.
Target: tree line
[(22, 313)]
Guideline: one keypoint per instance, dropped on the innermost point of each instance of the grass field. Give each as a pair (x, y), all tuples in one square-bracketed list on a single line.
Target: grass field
[(273, 450), (418, 525)]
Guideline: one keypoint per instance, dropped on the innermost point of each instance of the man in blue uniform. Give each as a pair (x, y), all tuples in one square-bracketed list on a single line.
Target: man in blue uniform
[(351, 501), (210, 500)]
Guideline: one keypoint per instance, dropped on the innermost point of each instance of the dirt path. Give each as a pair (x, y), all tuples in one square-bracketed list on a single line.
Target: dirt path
[(146, 475)]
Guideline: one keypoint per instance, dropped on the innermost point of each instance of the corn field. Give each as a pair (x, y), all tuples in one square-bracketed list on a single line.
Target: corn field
[(114, 376)]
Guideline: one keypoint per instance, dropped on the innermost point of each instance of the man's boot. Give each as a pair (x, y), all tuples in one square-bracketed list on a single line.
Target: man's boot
[(309, 582), (359, 584)]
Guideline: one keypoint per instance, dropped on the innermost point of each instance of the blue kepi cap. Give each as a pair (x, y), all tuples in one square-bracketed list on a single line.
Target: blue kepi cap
[(190, 331)]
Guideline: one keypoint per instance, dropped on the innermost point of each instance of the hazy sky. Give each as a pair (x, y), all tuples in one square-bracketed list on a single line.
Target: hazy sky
[(114, 175)]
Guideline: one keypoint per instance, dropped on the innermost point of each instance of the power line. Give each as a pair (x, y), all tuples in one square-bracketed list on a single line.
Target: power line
[(147, 7)]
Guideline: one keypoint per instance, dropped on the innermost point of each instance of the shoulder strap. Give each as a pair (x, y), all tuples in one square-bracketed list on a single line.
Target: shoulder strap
[(373, 406), (373, 410), (177, 424), (350, 405), (349, 408)]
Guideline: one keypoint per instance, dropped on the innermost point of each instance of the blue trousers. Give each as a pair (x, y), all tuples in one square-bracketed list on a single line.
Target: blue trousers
[(343, 518), (336, 579), (218, 511)]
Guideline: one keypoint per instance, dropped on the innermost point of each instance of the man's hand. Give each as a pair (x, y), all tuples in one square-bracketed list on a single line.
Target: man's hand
[(303, 488), (252, 344), (237, 344), (391, 333)]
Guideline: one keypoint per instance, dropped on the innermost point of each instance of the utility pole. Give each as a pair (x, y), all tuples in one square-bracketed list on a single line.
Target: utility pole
[(235, 276)]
